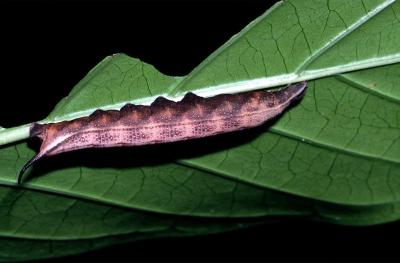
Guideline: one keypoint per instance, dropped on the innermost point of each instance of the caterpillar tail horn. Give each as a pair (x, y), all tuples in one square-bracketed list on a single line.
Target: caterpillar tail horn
[(26, 166)]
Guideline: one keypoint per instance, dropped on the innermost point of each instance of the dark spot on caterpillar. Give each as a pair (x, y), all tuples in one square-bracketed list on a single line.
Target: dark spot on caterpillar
[(190, 97), (162, 102), (163, 121), (202, 127)]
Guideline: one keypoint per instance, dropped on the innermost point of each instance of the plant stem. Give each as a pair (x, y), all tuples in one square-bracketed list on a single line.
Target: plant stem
[(14, 134)]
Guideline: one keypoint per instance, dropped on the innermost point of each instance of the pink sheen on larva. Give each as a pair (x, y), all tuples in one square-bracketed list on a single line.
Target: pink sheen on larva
[(164, 121)]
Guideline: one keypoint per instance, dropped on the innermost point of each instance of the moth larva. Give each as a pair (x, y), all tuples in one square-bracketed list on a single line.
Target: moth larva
[(163, 121)]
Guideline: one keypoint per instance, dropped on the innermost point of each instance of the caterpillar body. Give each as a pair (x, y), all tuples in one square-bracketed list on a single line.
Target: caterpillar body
[(163, 121)]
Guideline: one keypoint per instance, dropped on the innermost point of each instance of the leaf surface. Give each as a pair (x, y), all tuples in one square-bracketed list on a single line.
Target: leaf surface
[(333, 157)]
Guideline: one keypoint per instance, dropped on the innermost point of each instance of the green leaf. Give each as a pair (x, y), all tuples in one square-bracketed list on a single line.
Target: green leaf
[(321, 146), (334, 157), (168, 188), (270, 51), (36, 215), (11, 248), (46, 225), (33, 249)]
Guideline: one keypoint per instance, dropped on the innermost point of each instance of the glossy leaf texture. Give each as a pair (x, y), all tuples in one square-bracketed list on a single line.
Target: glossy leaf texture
[(333, 157), (45, 225)]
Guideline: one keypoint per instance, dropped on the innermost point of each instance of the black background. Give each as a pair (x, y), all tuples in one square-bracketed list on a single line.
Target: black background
[(47, 47)]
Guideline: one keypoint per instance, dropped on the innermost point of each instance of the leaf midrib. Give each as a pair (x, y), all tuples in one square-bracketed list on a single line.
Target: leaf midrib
[(367, 17), (224, 175), (287, 135)]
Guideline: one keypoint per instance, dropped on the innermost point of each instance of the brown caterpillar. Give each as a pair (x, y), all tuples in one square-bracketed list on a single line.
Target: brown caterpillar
[(163, 121)]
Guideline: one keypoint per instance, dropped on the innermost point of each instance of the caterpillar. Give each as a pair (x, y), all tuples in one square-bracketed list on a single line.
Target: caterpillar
[(163, 121)]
